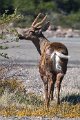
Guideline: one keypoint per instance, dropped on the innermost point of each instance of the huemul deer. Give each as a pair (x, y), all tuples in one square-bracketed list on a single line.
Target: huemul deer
[(53, 57)]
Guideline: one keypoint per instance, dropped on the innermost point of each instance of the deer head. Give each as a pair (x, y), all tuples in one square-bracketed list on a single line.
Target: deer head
[(35, 30)]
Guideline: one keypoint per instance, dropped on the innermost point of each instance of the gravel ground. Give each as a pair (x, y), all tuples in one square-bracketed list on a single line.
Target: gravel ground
[(36, 118), (31, 77), (23, 63)]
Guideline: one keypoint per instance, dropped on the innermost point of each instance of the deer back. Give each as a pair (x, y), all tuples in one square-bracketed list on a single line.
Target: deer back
[(51, 58)]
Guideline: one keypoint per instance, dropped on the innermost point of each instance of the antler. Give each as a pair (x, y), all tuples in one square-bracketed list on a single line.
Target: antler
[(35, 24), (39, 23)]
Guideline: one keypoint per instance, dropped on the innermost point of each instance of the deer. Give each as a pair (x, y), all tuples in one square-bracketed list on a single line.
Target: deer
[(53, 56)]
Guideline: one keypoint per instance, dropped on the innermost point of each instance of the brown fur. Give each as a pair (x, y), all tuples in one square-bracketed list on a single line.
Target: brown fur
[(48, 74)]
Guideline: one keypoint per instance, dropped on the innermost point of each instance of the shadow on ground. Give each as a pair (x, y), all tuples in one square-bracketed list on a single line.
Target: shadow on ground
[(72, 99)]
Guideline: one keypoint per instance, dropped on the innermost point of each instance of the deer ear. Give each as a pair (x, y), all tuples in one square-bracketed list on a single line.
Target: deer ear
[(45, 26)]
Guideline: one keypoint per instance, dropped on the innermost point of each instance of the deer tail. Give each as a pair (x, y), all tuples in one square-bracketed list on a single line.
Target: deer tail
[(60, 55)]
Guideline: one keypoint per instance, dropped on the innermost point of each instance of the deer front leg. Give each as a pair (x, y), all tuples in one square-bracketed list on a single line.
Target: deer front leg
[(58, 82)]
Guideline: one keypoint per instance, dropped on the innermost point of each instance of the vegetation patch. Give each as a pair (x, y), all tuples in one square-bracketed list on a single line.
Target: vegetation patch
[(3, 47), (63, 110), (14, 101)]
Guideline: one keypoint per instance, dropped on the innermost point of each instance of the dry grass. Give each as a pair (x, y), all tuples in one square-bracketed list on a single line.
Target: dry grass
[(11, 85), (14, 101), (64, 110)]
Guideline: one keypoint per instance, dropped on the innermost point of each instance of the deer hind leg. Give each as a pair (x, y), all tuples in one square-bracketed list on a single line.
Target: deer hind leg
[(59, 78), (51, 83), (48, 92), (52, 87), (48, 87), (45, 81)]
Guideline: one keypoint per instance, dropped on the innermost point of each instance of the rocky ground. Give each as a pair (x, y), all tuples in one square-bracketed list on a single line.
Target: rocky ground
[(31, 77), (58, 31)]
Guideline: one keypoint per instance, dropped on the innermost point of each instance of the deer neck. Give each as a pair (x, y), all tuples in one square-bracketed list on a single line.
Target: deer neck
[(40, 44)]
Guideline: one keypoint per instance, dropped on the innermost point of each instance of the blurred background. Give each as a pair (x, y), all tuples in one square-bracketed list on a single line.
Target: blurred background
[(65, 13)]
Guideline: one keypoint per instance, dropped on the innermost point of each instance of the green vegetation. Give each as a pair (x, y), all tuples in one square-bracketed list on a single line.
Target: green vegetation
[(61, 12), (3, 47)]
